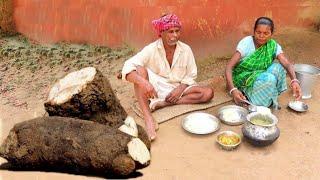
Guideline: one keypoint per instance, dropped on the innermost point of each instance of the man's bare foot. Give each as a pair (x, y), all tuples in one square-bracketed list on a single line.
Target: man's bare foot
[(158, 104), (151, 129), (156, 125)]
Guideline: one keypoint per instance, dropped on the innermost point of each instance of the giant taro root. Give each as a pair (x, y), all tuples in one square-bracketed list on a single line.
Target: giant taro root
[(85, 94), (75, 145)]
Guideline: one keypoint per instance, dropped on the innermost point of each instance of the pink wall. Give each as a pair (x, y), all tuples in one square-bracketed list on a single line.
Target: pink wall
[(208, 25)]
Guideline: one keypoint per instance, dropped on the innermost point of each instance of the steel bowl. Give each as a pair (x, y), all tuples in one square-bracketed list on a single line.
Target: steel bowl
[(232, 115), (225, 146), (200, 123), (298, 106)]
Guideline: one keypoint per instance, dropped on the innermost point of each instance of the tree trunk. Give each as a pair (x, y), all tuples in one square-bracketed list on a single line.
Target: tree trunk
[(85, 94), (75, 145)]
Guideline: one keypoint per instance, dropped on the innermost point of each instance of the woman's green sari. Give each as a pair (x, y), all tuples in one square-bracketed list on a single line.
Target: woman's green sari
[(247, 71), (259, 78)]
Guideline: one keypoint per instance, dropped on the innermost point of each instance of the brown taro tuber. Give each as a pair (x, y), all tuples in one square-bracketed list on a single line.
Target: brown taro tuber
[(75, 145), (85, 94)]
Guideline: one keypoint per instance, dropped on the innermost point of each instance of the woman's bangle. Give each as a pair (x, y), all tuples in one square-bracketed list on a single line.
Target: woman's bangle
[(230, 92), (294, 80)]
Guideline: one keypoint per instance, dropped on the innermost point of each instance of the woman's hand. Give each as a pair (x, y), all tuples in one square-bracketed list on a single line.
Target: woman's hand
[(296, 89), (238, 96), (234, 92)]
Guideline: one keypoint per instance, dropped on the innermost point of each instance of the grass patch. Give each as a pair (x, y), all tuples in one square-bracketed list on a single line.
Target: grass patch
[(20, 53)]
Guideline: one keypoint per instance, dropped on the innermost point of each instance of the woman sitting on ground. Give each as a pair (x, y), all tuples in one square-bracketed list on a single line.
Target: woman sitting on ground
[(252, 72)]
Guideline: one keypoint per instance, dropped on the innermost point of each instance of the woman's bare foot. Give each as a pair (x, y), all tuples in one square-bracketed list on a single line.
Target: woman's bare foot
[(150, 129)]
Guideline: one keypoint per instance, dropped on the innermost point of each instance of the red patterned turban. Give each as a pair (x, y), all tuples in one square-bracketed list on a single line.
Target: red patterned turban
[(166, 22)]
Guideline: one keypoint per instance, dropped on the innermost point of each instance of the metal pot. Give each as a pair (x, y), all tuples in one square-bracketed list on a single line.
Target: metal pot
[(261, 135), (307, 75)]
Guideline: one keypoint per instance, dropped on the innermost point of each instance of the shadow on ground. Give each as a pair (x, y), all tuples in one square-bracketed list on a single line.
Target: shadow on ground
[(10, 167)]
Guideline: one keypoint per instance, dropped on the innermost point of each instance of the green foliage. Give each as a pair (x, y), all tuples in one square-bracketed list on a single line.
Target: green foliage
[(19, 52)]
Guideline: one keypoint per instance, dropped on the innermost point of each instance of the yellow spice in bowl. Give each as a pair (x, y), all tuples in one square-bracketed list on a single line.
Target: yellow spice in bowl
[(228, 139)]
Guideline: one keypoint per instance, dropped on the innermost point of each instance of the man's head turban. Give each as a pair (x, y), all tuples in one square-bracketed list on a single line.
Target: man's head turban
[(166, 22)]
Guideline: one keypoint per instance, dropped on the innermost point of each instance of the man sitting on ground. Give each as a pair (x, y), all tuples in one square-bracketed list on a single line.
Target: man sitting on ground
[(164, 73)]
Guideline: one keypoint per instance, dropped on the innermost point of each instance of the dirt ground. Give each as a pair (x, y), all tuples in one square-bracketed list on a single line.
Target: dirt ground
[(177, 154)]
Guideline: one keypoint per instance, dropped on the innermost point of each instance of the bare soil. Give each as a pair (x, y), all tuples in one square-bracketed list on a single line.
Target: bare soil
[(24, 86)]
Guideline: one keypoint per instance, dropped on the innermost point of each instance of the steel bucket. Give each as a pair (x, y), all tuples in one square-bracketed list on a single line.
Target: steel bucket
[(307, 75)]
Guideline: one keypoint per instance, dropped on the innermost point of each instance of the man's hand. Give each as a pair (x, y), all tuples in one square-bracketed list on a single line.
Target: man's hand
[(238, 96), (296, 89), (147, 89), (174, 96)]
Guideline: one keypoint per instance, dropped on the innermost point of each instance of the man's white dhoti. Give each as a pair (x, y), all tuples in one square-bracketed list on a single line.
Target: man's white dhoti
[(162, 87)]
